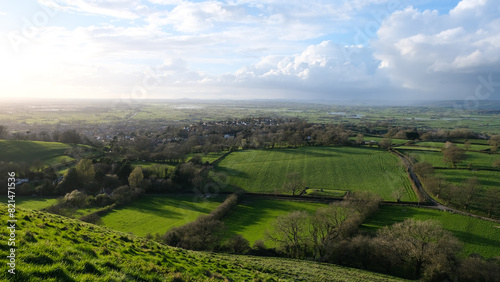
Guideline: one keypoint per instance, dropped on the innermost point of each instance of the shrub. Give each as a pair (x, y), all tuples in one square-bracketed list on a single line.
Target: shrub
[(75, 199), (91, 218), (237, 245)]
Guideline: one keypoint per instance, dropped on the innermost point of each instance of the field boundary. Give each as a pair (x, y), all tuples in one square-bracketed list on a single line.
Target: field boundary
[(221, 158), (415, 182)]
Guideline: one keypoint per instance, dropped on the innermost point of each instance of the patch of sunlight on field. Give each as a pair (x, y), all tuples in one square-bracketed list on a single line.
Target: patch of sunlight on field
[(158, 213)]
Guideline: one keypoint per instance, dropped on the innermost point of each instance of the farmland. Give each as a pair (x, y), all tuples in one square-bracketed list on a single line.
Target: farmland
[(61, 249), (34, 203), (479, 236), (338, 168), (107, 111), (472, 147), (476, 165), (261, 152), (254, 216), (158, 213), (487, 179), (51, 153), (475, 160)]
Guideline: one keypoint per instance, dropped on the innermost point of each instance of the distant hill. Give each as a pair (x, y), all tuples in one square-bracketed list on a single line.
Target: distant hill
[(55, 248)]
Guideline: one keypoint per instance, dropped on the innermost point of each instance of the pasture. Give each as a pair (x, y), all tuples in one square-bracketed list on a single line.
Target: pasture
[(50, 153), (334, 168), (55, 248), (479, 236), (253, 217), (473, 146), (475, 160), (158, 213), (487, 179), (34, 203)]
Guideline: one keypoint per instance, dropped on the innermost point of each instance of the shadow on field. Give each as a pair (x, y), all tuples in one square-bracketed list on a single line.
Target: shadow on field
[(233, 172), (327, 152), (253, 213), (158, 206), (389, 215), (473, 239)]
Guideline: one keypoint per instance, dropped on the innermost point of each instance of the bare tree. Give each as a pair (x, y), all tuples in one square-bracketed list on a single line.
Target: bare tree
[(452, 154), (423, 169), (436, 185), (385, 143), (467, 192), (399, 193), (360, 139), (294, 183), (421, 245), (290, 233), (492, 201), (327, 225)]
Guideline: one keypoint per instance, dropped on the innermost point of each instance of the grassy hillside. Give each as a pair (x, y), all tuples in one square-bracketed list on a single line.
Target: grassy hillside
[(50, 153), (339, 168), (54, 248), (33, 203), (479, 236), (158, 213), (254, 216)]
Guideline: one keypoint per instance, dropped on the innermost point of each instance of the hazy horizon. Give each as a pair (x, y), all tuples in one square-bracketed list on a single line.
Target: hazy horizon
[(376, 50)]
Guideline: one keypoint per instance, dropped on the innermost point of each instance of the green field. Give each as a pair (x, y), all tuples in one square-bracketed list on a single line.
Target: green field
[(50, 153), (487, 179), (156, 214), (254, 216), (479, 236), (335, 168), (55, 248), (209, 157), (475, 159), (34, 203), (473, 147)]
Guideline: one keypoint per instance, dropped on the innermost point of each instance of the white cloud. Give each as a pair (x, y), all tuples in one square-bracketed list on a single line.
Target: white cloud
[(259, 49), (440, 54), (194, 17), (468, 6), (124, 9)]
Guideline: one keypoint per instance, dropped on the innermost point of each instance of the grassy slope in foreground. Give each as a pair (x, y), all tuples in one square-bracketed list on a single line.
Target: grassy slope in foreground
[(479, 236), (338, 168), (54, 248), (158, 213)]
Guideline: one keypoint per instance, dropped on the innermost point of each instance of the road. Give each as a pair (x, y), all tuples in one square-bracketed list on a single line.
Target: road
[(426, 197)]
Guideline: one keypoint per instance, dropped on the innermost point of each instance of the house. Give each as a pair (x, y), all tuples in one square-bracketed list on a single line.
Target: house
[(21, 181)]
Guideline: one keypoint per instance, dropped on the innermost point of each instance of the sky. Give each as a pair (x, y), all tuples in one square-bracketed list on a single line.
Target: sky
[(247, 49)]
